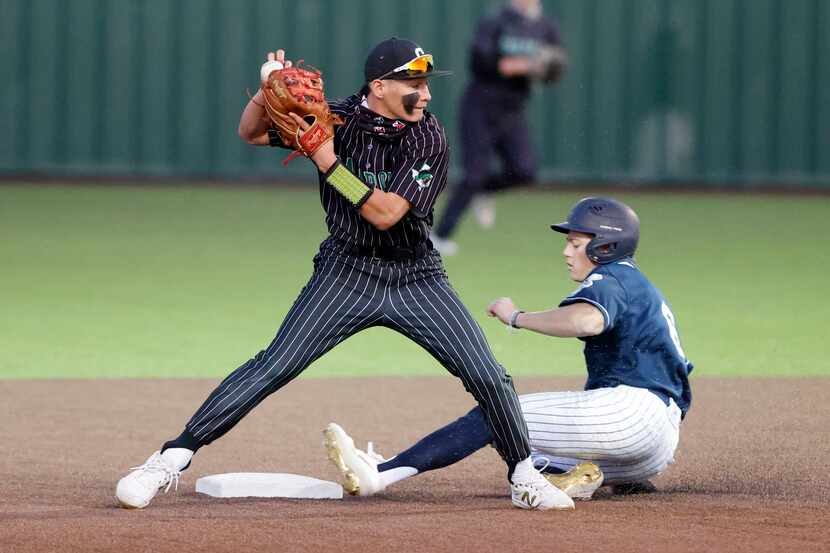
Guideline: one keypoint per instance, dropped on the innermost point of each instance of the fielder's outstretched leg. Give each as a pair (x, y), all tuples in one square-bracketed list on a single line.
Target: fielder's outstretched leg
[(339, 300), (429, 312)]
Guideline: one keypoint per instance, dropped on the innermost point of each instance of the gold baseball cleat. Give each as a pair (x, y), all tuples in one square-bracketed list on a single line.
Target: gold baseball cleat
[(350, 483), (580, 482), (358, 468)]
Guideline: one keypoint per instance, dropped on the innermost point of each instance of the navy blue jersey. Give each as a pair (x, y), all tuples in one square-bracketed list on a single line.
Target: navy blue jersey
[(507, 33), (409, 159), (639, 345)]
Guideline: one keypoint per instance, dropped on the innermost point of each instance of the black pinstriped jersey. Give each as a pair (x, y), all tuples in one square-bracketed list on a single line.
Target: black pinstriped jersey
[(408, 159)]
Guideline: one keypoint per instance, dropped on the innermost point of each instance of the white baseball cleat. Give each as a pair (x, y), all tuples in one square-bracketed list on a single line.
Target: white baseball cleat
[(484, 209), (137, 489), (359, 469), (445, 246), (530, 490)]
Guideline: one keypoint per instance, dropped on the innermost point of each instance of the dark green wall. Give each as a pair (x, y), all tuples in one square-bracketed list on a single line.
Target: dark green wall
[(712, 90)]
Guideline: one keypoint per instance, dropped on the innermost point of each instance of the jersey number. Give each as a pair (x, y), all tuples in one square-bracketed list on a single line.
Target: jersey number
[(675, 337)]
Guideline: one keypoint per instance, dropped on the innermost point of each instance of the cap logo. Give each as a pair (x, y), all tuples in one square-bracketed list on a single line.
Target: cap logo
[(597, 208), (419, 52)]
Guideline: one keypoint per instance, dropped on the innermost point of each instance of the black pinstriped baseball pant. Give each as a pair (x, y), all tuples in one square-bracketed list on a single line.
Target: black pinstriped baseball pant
[(347, 294)]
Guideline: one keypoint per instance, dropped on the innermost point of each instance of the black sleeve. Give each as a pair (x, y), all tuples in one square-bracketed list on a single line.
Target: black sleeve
[(552, 35), (484, 50), (421, 173), (275, 140), (343, 107)]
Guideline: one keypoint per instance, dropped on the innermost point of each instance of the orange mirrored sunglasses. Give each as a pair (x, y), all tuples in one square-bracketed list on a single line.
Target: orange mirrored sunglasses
[(412, 68)]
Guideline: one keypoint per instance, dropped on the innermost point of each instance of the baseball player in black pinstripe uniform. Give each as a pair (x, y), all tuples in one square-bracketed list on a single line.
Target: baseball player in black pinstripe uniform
[(379, 179)]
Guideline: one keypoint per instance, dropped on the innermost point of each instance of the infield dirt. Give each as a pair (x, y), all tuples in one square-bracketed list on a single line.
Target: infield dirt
[(750, 473)]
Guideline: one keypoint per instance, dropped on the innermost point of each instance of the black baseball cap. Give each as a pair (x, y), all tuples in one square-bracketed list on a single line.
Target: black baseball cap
[(399, 59)]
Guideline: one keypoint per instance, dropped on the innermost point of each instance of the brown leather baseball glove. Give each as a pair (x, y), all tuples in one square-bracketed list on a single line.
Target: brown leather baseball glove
[(299, 90)]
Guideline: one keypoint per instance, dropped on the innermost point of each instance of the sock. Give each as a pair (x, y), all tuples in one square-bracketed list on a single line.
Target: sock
[(185, 440), (443, 447), (177, 457), (396, 475), (179, 451)]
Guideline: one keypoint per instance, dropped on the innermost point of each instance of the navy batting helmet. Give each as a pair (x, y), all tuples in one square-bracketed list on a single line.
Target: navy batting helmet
[(614, 226)]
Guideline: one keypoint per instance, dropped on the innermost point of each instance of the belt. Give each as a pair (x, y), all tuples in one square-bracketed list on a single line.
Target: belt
[(389, 253)]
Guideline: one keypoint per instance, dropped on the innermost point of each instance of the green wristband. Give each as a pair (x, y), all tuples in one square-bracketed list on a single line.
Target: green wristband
[(348, 185)]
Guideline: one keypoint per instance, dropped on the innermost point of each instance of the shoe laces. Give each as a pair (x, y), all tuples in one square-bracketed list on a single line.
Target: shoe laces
[(543, 465), (533, 479), (156, 465)]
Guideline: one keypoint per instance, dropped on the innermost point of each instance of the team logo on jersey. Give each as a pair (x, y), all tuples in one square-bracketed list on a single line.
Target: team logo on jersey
[(518, 46), (588, 282), (422, 176), (398, 125)]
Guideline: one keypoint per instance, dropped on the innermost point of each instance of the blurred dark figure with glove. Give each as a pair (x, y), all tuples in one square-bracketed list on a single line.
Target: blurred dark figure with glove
[(511, 49)]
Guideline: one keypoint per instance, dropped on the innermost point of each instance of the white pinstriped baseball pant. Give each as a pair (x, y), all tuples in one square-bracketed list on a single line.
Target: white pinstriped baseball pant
[(629, 432), (347, 294)]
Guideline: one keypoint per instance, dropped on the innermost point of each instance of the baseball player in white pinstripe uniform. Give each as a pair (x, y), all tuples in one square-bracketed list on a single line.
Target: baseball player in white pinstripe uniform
[(379, 179), (624, 427)]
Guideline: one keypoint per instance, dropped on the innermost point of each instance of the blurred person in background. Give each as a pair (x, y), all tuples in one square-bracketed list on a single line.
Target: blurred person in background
[(511, 49)]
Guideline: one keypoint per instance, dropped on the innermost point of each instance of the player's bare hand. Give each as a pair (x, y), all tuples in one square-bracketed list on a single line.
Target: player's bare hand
[(501, 308), (279, 56), (515, 66), (274, 61), (302, 123)]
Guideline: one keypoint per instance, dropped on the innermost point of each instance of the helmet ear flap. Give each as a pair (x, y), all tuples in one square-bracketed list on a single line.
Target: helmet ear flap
[(602, 251), (591, 251)]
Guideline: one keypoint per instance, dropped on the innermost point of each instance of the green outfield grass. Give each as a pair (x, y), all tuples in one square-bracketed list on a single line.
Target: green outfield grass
[(182, 281)]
